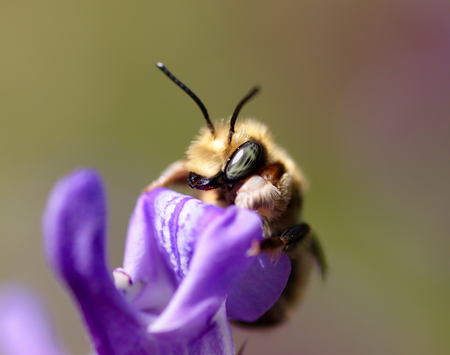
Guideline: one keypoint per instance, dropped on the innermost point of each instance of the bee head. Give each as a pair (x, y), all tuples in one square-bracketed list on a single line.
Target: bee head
[(218, 160)]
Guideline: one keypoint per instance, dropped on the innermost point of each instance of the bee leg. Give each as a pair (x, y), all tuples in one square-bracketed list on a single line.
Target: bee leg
[(300, 235), (289, 240), (174, 174)]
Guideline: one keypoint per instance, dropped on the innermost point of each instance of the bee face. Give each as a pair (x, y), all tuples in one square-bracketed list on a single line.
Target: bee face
[(232, 164), (239, 163)]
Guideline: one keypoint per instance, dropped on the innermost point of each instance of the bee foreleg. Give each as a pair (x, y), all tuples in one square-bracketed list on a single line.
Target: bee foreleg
[(289, 240), (174, 174), (299, 236)]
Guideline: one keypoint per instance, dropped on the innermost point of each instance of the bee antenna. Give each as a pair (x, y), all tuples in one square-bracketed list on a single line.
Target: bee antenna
[(252, 92), (190, 93)]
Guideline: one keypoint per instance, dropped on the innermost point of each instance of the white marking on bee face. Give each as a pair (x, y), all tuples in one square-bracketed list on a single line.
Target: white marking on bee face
[(257, 193)]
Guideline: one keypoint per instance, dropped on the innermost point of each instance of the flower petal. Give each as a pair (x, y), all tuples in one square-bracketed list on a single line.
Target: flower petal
[(215, 339), (74, 231), (146, 262), (161, 239), (259, 289), (219, 261), (24, 325), (218, 339)]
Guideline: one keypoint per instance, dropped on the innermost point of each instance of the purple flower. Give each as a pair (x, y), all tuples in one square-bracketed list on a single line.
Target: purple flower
[(186, 270), (24, 325)]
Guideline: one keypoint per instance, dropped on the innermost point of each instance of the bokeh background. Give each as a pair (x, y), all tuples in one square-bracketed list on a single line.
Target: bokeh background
[(357, 91)]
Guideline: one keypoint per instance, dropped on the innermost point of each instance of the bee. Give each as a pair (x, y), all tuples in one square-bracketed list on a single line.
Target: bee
[(238, 162)]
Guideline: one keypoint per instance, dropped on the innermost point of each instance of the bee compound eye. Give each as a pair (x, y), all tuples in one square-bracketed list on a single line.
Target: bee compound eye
[(243, 162)]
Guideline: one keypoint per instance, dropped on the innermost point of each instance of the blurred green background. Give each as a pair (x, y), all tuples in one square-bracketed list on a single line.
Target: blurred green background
[(357, 92)]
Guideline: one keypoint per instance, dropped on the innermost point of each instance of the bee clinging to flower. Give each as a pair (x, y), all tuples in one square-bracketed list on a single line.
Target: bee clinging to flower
[(238, 162)]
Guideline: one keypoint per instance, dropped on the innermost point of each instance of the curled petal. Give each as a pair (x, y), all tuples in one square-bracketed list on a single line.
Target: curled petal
[(259, 289), (74, 231), (24, 325), (219, 261)]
